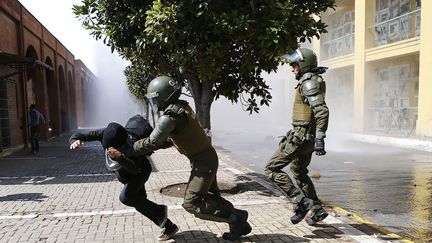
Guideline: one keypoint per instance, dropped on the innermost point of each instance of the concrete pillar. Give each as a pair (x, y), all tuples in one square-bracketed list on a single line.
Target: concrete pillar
[(359, 66), (424, 123)]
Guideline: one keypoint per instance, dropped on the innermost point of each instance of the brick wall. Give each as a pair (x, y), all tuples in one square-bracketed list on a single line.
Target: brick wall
[(21, 33)]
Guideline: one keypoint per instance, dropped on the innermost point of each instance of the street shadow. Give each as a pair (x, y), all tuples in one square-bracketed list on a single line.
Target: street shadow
[(205, 236), (325, 231), (61, 179), (36, 197), (273, 238), (248, 182), (257, 182), (331, 232), (241, 184)]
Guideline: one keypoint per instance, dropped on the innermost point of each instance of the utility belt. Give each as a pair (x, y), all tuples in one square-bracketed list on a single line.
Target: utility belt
[(301, 133)]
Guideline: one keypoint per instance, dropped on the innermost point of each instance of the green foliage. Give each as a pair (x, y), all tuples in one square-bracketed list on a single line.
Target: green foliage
[(227, 43)]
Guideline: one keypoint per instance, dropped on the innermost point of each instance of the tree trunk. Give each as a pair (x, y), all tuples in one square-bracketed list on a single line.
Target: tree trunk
[(203, 106), (203, 98)]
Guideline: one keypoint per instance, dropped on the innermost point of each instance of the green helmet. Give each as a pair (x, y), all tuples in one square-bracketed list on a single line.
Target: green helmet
[(304, 57), (163, 91)]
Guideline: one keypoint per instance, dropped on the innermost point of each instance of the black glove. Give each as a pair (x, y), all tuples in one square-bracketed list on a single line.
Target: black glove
[(319, 146)]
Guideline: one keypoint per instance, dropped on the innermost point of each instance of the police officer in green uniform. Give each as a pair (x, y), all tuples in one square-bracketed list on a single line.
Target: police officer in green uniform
[(178, 124), (310, 121)]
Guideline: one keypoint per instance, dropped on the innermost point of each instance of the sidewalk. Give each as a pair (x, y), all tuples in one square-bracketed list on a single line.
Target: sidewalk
[(415, 143), (61, 195)]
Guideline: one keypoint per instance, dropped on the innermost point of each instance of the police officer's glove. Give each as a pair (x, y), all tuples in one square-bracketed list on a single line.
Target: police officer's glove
[(319, 147)]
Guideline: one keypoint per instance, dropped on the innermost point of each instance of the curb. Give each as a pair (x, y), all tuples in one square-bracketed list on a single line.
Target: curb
[(361, 220)]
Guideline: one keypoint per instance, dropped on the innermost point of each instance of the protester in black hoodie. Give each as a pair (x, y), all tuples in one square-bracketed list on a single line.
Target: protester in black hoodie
[(133, 172)]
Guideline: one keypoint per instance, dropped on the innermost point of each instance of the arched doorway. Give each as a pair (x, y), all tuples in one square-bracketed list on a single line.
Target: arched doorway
[(52, 115), (72, 100), (36, 89), (64, 111)]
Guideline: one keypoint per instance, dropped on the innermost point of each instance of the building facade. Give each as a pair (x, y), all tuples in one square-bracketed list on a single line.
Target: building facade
[(379, 54), (35, 68)]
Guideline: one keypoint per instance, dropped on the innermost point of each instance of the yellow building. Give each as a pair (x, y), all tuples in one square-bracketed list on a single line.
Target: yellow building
[(379, 54)]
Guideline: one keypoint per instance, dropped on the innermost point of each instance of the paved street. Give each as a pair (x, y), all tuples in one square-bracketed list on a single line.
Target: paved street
[(61, 195), (388, 185)]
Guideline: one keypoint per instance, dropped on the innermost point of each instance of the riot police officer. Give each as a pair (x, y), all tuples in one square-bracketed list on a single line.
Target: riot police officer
[(179, 123), (310, 121)]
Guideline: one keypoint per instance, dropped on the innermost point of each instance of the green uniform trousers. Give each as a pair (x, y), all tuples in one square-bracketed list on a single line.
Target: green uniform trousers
[(202, 197), (294, 150)]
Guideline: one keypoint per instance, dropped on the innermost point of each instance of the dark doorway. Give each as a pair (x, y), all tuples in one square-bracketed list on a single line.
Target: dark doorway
[(53, 117), (36, 89), (64, 111)]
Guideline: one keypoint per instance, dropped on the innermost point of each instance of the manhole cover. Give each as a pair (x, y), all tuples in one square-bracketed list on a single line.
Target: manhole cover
[(178, 190)]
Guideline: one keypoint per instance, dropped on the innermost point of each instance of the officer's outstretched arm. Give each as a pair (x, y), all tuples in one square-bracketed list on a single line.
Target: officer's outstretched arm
[(157, 139)]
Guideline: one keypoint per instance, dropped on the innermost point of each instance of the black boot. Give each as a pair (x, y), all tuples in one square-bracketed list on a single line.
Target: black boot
[(319, 215), (301, 210), (239, 227)]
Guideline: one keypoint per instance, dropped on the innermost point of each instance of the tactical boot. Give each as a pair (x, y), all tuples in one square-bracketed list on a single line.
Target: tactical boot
[(239, 227), (301, 210), (319, 215)]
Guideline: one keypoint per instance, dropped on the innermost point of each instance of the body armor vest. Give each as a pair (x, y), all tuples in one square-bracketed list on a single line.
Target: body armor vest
[(190, 139), (302, 111)]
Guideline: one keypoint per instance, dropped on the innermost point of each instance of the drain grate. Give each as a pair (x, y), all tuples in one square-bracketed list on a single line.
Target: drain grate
[(178, 190)]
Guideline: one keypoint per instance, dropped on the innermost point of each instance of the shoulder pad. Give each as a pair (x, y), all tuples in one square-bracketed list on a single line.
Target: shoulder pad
[(165, 123), (306, 76), (174, 109), (311, 91), (310, 87), (319, 78)]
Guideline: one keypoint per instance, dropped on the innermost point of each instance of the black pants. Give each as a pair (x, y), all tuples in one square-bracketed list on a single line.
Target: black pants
[(34, 138), (134, 195)]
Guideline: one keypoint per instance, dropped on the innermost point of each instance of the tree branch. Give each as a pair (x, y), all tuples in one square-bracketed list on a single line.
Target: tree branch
[(165, 65)]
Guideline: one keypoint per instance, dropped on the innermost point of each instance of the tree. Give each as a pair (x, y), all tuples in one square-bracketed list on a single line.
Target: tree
[(216, 47)]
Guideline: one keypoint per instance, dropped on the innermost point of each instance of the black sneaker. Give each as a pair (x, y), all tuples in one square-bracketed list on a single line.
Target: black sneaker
[(168, 232), (320, 215), (301, 210)]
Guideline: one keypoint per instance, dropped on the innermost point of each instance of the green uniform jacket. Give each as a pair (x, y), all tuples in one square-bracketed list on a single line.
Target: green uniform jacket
[(309, 104), (179, 124)]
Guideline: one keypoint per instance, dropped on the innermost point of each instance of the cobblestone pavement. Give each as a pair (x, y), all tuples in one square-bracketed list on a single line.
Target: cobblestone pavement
[(60, 195)]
